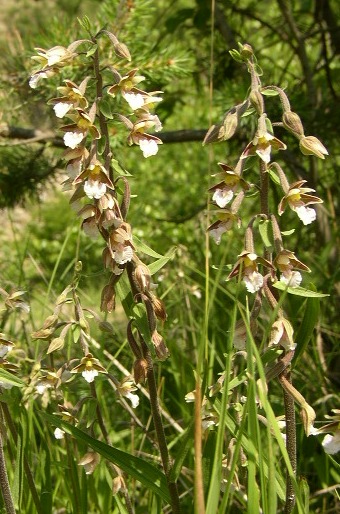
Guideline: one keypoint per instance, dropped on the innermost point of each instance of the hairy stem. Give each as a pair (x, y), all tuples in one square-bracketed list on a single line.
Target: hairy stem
[(107, 154), (157, 420), (4, 483), (290, 441)]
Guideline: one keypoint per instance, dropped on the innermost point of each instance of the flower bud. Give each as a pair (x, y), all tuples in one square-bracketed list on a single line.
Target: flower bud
[(108, 299), (229, 127), (292, 122), (256, 99), (161, 350), (310, 145), (159, 308), (142, 276), (140, 370), (246, 51)]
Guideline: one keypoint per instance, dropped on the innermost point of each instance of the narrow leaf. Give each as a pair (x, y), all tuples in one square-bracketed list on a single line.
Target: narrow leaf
[(139, 469), (298, 291), (306, 328)]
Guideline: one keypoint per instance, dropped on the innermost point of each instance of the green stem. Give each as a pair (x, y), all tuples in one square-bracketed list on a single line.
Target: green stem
[(4, 483), (27, 468), (290, 441), (107, 154), (157, 420)]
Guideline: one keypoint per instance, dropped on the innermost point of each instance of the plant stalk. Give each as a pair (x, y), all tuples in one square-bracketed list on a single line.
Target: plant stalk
[(290, 441), (157, 420)]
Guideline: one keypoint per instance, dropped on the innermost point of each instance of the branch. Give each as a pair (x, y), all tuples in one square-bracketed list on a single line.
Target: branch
[(31, 135)]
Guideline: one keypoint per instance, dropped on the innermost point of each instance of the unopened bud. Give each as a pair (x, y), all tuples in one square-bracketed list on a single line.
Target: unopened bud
[(117, 485), (140, 370), (292, 122), (308, 417), (143, 277), (160, 347), (159, 308), (121, 50), (246, 51), (229, 126), (310, 145), (108, 299), (256, 99)]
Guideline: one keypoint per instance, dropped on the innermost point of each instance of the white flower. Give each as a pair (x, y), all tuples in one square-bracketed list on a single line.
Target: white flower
[(134, 399), (123, 254), (4, 349), (148, 146), (59, 434), (5, 385), (222, 197), (72, 139), (216, 233), (73, 169), (94, 189), (253, 281), (306, 214), (89, 375), (61, 108), (42, 386), (135, 100), (36, 78), (293, 279), (90, 228), (331, 443), (155, 119)]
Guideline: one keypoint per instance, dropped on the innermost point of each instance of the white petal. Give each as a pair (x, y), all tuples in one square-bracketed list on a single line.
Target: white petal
[(5, 385), (90, 228), (264, 153), (148, 146), (135, 100), (123, 255), (216, 233), (253, 281), (89, 375), (134, 399), (61, 108), (72, 139), (59, 434), (4, 349), (41, 387), (306, 214), (34, 80), (222, 197), (331, 444), (293, 279), (94, 189)]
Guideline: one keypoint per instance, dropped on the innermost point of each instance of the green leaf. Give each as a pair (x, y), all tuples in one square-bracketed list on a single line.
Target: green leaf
[(105, 108), (142, 247), (274, 176), (269, 92), (139, 469), (119, 169), (92, 51), (157, 265), (298, 291), (142, 323), (236, 55), (306, 327), (101, 145), (264, 225), (288, 232), (8, 378)]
